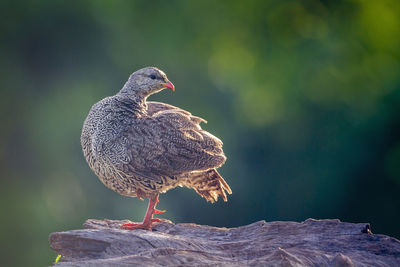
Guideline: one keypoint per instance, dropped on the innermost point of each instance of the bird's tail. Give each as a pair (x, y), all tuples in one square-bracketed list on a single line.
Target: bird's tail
[(209, 184)]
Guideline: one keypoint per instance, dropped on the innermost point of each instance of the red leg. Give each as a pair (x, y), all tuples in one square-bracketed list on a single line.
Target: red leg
[(148, 218)]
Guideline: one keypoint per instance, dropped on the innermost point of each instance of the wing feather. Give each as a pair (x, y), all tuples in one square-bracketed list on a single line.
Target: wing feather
[(173, 143), (167, 142)]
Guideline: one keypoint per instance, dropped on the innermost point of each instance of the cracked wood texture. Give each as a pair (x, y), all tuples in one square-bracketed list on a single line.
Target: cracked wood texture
[(309, 243)]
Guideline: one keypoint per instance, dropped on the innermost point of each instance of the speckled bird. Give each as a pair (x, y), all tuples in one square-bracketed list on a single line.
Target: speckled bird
[(140, 148)]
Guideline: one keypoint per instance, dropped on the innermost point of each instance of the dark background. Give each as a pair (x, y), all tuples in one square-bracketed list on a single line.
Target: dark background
[(304, 94)]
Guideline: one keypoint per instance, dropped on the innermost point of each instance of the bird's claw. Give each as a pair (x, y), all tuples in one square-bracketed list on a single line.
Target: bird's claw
[(156, 211), (133, 226), (146, 226)]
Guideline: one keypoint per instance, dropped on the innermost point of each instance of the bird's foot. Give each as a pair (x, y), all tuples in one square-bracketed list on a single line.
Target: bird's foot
[(133, 226), (156, 211), (145, 226), (148, 218)]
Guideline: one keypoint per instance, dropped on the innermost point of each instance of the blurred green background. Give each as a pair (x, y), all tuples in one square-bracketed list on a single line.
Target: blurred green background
[(304, 94)]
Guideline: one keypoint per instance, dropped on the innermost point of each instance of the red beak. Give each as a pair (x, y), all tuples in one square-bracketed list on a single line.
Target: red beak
[(170, 86)]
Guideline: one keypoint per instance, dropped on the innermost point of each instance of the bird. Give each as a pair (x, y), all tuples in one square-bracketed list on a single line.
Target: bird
[(141, 148)]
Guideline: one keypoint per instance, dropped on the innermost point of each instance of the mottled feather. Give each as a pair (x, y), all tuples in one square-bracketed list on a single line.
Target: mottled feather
[(132, 144)]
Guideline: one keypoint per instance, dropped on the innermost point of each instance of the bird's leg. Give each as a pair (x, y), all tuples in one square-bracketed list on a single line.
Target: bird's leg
[(156, 211), (148, 218)]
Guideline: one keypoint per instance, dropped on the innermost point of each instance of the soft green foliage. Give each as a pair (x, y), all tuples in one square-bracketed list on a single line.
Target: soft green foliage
[(304, 94)]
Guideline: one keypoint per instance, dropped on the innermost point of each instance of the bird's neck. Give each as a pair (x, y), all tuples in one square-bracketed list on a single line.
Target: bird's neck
[(134, 102)]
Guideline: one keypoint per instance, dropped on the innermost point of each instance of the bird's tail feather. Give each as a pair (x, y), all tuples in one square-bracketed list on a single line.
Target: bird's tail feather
[(209, 185)]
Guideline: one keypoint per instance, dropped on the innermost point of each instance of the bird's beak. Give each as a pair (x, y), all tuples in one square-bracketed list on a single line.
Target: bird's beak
[(169, 85)]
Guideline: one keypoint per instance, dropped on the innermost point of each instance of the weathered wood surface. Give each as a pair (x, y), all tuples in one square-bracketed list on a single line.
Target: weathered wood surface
[(309, 243)]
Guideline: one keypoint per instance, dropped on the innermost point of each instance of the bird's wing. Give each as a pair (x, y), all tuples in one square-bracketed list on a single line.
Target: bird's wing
[(170, 142), (153, 108)]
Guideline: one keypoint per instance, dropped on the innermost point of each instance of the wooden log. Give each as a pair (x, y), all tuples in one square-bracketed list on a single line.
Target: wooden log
[(308, 243)]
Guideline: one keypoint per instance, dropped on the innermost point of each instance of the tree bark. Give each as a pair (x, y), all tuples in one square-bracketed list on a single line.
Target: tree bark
[(308, 243)]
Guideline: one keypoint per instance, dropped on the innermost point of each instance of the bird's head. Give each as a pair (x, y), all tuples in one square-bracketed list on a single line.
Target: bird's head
[(147, 81)]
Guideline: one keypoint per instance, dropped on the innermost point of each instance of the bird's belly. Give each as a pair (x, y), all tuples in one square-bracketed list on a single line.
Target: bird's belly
[(128, 184)]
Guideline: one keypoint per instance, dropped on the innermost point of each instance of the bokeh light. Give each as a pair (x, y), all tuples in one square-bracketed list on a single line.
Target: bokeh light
[(304, 94)]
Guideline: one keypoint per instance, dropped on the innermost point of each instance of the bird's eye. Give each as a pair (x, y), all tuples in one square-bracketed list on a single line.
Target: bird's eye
[(152, 76)]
